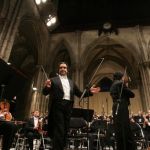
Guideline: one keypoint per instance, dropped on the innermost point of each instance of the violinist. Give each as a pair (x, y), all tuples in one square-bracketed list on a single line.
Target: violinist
[(4, 111), (32, 128), (121, 95), (139, 119), (7, 128), (5, 115)]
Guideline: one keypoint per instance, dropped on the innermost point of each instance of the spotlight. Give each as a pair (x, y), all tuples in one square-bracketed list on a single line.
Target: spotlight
[(53, 20), (8, 63), (108, 28), (38, 2), (49, 23), (34, 89), (44, 1), (107, 25)]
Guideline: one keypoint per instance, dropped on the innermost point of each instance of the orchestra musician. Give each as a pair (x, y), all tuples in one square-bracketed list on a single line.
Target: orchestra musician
[(4, 111), (45, 123), (7, 128), (147, 126), (5, 114), (121, 95), (139, 119), (32, 128)]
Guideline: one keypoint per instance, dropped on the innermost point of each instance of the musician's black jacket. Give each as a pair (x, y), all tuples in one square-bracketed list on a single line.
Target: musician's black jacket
[(115, 92), (124, 136)]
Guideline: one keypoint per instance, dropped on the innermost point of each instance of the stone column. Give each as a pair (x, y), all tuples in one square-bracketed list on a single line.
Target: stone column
[(78, 72), (145, 87), (7, 35), (144, 67)]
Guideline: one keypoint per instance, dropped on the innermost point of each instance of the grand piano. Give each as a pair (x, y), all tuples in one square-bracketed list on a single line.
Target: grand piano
[(12, 81)]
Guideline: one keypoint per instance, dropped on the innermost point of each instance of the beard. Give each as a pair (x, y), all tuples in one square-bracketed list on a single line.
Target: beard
[(63, 73)]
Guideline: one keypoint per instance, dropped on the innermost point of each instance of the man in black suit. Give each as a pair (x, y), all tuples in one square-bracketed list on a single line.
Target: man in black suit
[(32, 128), (62, 91), (121, 95)]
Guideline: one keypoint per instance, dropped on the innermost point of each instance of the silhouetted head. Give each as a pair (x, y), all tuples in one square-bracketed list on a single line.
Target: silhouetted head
[(117, 75)]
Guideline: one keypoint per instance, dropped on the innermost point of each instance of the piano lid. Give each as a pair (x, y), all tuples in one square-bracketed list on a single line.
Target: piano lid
[(12, 81)]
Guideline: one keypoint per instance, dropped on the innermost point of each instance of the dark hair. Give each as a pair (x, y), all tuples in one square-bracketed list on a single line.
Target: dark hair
[(117, 75), (62, 62)]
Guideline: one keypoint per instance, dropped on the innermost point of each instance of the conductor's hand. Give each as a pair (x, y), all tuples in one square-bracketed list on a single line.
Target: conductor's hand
[(48, 83), (94, 89)]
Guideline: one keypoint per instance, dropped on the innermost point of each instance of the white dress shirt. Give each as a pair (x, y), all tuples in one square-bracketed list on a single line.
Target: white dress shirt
[(36, 122), (66, 87)]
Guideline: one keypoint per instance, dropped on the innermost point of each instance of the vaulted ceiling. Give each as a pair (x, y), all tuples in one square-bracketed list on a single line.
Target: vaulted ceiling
[(92, 14)]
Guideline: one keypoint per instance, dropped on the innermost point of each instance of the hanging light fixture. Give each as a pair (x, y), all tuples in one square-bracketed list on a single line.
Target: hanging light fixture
[(38, 2), (44, 1), (51, 20)]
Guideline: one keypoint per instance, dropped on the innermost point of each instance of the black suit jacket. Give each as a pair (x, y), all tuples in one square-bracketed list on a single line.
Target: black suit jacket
[(122, 117), (115, 92), (56, 90), (29, 125)]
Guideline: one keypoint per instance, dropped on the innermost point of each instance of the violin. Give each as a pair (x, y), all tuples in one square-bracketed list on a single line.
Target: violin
[(4, 111), (126, 80)]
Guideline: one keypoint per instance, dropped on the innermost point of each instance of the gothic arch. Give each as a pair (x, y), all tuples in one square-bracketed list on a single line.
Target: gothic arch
[(62, 45), (104, 41), (108, 58), (31, 40), (112, 51), (36, 33)]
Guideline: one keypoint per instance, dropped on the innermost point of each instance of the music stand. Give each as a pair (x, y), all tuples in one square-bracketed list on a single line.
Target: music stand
[(81, 116), (87, 114)]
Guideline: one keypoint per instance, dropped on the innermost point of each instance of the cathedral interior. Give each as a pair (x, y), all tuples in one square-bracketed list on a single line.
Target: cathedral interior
[(95, 38), (85, 34)]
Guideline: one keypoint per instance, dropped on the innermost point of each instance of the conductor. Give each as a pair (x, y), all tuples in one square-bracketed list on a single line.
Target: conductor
[(61, 90)]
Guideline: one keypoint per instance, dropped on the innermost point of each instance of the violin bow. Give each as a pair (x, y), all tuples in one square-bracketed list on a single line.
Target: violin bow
[(125, 71), (44, 72), (102, 59)]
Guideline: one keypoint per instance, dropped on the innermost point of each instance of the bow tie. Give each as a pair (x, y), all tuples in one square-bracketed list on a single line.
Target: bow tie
[(63, 77)]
